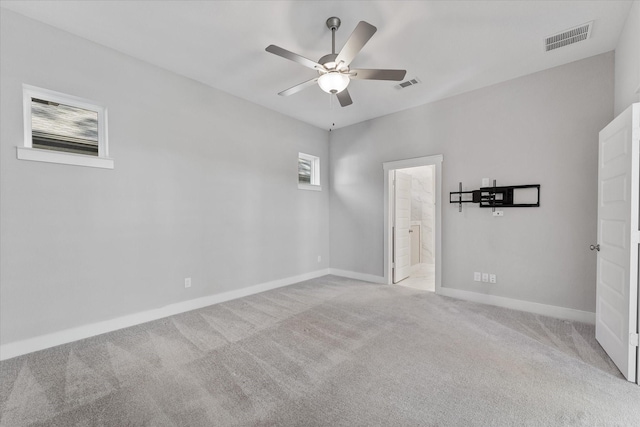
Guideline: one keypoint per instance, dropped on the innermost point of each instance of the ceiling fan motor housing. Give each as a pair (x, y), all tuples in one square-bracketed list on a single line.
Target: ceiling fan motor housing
[(329, 63)]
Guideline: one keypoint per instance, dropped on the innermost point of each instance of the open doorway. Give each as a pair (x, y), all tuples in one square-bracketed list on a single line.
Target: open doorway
[(414, 227), (412, 222)]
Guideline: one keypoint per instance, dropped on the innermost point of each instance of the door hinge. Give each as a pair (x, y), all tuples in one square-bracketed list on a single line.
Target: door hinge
[(633, 340)]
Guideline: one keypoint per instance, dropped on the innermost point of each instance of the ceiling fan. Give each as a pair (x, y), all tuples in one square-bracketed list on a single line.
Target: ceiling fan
[(333, 69)]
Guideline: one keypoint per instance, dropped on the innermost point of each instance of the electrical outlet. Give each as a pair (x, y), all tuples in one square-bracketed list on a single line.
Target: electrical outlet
[(498, 213), (319, 258), (187, 282), (477, 277), (485, 277), (492, 278), (485, 182)]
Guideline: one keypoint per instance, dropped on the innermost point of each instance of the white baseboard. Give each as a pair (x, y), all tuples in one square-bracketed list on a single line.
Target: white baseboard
[(357, 276), (18, 348), (531, 307)]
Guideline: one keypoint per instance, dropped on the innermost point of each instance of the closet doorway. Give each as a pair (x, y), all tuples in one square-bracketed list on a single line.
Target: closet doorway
[(412, 222)]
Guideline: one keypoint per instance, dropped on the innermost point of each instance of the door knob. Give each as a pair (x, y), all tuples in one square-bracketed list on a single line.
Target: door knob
[(410, 231), (595, 247)]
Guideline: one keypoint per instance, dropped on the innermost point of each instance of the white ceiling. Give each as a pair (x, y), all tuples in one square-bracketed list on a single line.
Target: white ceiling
[(451, 46)]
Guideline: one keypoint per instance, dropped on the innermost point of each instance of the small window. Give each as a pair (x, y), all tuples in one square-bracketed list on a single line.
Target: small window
[(64, 129), (308, 172)]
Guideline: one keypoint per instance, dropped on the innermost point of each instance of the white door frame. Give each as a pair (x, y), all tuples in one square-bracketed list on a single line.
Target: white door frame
[(389, 168)]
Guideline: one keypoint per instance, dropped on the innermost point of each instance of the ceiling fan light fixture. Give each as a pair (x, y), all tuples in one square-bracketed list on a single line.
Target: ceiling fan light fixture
[(333, 82)]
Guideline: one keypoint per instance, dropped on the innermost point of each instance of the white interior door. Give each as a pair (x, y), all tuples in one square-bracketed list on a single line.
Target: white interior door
[(402, 225), (618, 238)]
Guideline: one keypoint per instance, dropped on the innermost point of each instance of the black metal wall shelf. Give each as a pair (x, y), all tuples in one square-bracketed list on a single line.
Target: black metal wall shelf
[(494, 197)]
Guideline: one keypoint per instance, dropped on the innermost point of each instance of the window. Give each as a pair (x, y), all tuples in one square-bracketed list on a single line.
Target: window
[(61, 128), (308, 172)]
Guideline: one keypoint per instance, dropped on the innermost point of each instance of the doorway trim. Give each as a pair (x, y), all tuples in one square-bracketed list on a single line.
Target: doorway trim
[(389, 168)]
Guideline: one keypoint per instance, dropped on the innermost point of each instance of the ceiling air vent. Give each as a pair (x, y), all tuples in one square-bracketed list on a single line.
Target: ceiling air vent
[(570, 36), (408, 83)]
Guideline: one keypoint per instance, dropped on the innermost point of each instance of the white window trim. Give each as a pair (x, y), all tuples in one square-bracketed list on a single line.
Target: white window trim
[(309, 187), (315, 173), (27, 152)]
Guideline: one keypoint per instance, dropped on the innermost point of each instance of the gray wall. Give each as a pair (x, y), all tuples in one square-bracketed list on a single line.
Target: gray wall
[(628, 62), (204, 186), (538, 129)]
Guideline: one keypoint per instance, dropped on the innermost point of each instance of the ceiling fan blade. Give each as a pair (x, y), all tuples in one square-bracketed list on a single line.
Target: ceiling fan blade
[(293, 57), (344, 98), (298, 87), (360, 36), (360, 74)]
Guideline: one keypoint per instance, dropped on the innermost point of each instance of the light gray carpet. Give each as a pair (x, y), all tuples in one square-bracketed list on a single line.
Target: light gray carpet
[(327, 352)]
